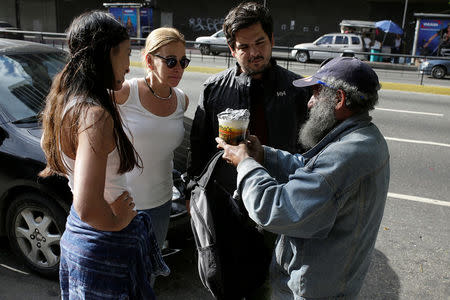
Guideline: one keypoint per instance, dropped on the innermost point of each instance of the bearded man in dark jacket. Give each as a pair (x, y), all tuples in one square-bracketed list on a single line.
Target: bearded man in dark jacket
[(277, 109)]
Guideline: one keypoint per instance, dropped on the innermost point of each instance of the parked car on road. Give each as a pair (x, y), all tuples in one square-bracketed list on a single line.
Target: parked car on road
[(345, 42), (438, 68), (213, 44), (33, 210)]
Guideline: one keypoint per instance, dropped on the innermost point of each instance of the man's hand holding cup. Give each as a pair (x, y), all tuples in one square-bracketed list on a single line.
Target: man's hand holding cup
[(251, 147)]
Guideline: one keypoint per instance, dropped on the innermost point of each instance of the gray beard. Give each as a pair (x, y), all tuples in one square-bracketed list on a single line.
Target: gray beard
[(321, 120)]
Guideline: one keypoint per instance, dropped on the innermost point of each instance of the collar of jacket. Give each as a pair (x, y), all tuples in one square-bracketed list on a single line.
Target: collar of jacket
[(351, 124), (268, 74)]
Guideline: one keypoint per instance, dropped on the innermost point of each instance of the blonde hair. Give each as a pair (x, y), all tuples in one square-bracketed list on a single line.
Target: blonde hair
[(159, 38)]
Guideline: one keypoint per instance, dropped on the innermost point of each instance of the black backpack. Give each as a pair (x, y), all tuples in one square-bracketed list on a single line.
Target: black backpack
[(233, 259)]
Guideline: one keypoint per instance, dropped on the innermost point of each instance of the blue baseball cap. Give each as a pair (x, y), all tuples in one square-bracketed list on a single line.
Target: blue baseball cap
[(348, 69)]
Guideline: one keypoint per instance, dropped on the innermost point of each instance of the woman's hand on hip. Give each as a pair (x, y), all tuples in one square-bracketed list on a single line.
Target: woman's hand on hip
[(123, 207)]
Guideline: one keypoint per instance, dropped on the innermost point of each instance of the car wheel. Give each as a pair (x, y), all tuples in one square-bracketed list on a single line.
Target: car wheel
[(302, 56), (438, 72), (35, 225), (215, 52), (205, 50)]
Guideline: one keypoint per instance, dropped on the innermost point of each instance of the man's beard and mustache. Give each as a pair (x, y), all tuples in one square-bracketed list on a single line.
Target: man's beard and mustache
[(321, 120), (252, 72)]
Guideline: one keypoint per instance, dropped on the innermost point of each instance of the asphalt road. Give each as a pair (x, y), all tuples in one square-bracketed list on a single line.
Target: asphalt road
[(411, 258), (387, 72)]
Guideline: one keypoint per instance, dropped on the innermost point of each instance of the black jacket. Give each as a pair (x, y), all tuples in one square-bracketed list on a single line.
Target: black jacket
[(285, 110)]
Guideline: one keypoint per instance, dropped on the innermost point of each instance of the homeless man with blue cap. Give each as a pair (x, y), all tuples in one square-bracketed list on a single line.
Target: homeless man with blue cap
[(326, 204)]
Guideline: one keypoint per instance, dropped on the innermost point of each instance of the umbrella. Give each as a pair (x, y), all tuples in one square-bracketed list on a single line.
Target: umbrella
[(389, 27)]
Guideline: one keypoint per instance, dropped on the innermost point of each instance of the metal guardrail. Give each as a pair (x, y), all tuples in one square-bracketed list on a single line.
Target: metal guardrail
[(59, 39)]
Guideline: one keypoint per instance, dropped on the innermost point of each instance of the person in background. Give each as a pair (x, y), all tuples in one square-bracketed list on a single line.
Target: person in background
[(108, 250), (367, 42), (376, 48), (396, 49), (326, 205), (152, 109)]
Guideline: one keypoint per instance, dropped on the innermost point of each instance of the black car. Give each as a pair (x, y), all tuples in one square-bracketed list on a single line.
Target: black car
[(33, 210)]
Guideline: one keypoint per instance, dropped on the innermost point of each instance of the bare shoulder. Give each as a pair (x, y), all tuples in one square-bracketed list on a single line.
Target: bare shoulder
[(97, 124), (121, 96)]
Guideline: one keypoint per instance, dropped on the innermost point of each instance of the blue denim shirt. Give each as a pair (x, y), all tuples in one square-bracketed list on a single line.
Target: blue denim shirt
[(326, 205)]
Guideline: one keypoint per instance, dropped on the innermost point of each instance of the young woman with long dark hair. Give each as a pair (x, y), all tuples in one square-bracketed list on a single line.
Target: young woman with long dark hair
[(108, 250)]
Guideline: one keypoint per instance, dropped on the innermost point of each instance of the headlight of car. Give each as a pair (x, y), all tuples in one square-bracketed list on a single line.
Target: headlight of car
[(424, 64)]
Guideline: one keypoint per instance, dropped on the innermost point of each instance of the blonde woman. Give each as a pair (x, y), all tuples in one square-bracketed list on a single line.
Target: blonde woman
[(152, 109)]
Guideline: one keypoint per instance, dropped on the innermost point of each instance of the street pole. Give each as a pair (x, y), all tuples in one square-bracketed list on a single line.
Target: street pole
[(404, 14), (17, 5)]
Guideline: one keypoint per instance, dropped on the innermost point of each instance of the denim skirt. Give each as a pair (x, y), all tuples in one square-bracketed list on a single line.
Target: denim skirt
[(109, 265)]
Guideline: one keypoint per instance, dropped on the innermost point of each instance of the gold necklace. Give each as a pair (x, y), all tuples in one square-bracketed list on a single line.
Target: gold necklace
[(155, 94)]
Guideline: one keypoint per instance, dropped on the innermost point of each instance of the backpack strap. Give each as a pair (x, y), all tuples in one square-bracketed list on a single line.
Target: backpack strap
[(204, 177)]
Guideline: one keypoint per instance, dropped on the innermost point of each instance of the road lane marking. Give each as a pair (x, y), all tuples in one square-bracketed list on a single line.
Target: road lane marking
[(419, 199), (13, 269), (417, 142), (410, 112)]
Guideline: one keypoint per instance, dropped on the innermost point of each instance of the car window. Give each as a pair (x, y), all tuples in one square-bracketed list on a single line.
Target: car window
[(355, 40), (26, 80), (328, 39), (220, 34), (341, 40)]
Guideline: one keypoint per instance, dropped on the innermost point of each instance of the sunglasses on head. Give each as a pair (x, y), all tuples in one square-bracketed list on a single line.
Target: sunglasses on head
[(171, 62)]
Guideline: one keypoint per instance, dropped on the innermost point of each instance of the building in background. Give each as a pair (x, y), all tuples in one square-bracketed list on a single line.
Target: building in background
[(295, 21)]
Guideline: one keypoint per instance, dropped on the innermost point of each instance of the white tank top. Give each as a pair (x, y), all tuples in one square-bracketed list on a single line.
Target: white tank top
[(115, 184), (154, 138)]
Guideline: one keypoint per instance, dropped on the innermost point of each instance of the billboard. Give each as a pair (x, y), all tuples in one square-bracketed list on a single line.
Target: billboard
[(129, 18), (433, 37)]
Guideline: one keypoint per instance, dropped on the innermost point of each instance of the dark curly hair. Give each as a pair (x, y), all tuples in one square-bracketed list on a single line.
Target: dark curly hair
[(245, 15)]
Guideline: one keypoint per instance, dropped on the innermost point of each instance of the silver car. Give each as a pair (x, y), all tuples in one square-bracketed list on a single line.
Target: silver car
[(438, 68), (346, 43), (213, 44)]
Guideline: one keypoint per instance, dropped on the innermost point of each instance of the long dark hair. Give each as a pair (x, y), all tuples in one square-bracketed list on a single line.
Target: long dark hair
[(88, 74)]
